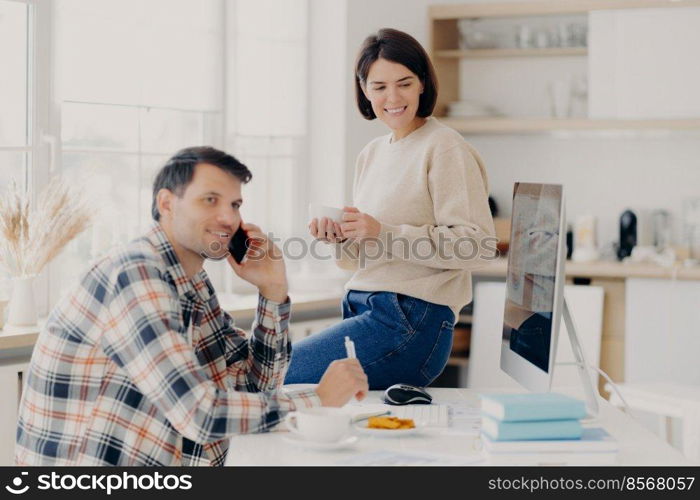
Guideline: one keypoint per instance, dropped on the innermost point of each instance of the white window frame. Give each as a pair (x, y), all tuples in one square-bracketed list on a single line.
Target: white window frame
[(40, 135), (27, 148)]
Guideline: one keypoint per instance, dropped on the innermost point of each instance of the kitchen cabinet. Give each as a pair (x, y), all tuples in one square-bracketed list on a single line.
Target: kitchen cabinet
[(12, 375), (652, 71), (661, 333)]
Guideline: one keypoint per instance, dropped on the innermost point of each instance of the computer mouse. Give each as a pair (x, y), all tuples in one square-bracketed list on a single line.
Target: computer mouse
[(402, 394)]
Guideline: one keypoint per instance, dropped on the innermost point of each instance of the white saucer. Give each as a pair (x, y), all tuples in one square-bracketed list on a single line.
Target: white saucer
[(319, 445), (362, 428)]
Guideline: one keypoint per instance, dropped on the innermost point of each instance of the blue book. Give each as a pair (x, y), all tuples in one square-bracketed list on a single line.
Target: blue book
[(593, 440), (530, 431), (528, 407)]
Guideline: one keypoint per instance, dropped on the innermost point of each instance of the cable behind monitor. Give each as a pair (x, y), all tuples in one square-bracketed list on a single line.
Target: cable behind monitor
[(626, 406)]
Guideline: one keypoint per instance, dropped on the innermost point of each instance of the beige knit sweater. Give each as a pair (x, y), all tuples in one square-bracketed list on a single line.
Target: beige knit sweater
[(429, 191)]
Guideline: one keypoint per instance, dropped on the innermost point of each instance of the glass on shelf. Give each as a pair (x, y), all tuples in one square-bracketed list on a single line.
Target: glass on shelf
[(523, 36), (579, 95), (691, 227), (539, 32), (560, 98), (472, 36), (563, 35)]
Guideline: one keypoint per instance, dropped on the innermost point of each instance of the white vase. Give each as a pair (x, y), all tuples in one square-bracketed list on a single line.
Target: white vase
[(22, 307)]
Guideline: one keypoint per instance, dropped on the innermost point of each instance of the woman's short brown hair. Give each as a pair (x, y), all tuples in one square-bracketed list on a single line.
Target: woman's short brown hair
[(399, 47)]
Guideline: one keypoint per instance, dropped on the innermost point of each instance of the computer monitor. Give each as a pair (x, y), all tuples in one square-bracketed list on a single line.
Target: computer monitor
[(535, 300), (533, 284)]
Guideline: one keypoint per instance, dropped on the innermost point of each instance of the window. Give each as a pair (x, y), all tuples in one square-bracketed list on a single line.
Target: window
[(15, 146), (267, 117), (137, 81), (120, 85), (15, 137)]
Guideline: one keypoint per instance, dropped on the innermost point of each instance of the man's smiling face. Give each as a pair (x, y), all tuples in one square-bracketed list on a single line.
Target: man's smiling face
[(207, 213)]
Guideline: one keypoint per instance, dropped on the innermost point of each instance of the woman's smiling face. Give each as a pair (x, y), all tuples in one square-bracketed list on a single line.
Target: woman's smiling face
[(394, 92)]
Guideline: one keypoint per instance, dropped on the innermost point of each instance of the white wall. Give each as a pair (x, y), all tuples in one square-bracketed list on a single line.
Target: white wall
[(603, 173)]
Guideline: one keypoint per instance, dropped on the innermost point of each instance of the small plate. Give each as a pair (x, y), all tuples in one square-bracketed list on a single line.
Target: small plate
[(362, 428), (319, 445)]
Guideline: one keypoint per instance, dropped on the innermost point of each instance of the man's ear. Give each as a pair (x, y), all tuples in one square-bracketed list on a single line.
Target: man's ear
[(164, 202)]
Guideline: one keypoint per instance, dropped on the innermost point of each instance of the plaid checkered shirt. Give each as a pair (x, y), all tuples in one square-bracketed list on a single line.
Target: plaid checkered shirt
[(138, 365)]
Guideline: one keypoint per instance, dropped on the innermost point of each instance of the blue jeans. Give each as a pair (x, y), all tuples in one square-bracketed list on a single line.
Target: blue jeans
[(398, 339)]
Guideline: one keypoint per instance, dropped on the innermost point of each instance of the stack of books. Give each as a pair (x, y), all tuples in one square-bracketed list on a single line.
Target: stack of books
[(542, 429)]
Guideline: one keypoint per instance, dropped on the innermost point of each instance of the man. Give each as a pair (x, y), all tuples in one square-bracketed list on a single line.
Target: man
[(138, 365)]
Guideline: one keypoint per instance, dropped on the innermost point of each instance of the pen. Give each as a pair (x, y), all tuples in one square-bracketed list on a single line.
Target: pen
[(350, 347)]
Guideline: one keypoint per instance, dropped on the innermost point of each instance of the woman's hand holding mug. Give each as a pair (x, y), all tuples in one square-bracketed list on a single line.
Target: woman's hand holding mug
[(325, 223), (325, 229), (358, 225), (355, 224)]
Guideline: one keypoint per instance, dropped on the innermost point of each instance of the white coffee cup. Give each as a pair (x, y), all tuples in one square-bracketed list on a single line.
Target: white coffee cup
[(319, 424), (318, 210)]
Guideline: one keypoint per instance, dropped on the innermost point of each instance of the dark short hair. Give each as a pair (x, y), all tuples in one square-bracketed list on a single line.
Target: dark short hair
[(178, 171), (399, 47)]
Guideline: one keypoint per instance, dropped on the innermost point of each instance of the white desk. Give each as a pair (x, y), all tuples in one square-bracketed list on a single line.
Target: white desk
[(638, 446)]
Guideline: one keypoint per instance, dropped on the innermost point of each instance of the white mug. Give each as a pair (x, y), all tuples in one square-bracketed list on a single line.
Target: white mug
[(318, 210), (319, 424)]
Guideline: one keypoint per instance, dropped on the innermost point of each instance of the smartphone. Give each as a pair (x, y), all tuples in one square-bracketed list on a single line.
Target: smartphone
[(238, 246)]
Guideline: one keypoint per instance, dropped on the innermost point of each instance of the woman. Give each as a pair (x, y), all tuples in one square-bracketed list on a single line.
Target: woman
[(420, 223)]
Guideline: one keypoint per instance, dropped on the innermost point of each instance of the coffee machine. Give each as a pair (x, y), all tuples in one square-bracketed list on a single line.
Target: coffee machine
[(628, 234)]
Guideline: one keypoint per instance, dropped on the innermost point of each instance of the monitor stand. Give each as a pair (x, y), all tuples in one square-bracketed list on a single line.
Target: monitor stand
[(589, 390)]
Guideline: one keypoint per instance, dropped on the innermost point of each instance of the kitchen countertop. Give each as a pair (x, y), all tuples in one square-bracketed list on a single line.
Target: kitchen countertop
[(17, 340), (241, 307), (605, 269)]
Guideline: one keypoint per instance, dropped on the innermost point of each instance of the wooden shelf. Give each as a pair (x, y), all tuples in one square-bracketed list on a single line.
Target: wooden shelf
[(534, 125), (545, 8), (502, 53)]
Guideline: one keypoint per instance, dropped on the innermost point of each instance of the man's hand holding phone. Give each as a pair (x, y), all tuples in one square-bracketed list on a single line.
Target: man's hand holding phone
[(264, 264)]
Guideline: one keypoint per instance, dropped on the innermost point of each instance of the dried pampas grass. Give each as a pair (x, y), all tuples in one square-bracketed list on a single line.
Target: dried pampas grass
[(31, 237)]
